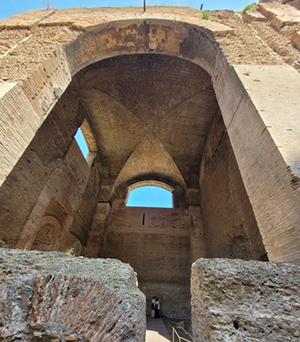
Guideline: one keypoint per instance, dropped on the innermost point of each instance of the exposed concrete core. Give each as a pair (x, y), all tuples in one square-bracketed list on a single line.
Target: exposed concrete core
[(207, 107), (57, 297)]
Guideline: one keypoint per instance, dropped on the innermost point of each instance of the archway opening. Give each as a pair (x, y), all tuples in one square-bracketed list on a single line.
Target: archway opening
[(150, 197)]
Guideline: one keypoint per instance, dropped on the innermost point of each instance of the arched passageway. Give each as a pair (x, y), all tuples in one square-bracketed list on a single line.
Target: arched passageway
[(163, 104)]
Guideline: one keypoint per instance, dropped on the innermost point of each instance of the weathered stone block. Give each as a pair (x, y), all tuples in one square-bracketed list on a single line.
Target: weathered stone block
[(253, 16), (296, 39), (57, 297), (235, 300)]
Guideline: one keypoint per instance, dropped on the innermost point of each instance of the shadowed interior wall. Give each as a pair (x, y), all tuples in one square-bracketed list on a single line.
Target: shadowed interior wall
[(230, 228), (53, 180), (156, 243)]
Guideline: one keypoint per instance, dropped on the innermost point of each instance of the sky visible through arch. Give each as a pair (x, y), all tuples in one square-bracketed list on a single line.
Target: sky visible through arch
[(146, 196), (150, 196), (9, 8)]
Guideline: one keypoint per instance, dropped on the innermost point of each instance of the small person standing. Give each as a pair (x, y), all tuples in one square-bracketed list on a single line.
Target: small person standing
[(157, 307), (153, 307)]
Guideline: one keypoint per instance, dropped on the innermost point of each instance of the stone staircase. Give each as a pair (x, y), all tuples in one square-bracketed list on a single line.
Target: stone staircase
[(278, 25)]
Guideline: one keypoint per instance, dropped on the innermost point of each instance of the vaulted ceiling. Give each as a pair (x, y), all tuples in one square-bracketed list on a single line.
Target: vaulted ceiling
[(150, 115)]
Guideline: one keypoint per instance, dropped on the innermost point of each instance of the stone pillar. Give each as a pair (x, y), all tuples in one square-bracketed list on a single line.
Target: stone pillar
[(260, 108), (197, 240), (32, 225), (97, 233)]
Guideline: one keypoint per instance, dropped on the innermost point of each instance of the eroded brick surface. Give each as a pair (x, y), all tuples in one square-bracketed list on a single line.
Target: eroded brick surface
[(56, 297)]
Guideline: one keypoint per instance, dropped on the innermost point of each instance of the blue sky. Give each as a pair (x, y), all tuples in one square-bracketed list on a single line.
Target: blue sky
[(150, 196), (82, 143), (9, 8)]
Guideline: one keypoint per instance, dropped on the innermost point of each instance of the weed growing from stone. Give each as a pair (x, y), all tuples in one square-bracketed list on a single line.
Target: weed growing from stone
[(206, 16), (251, 7)]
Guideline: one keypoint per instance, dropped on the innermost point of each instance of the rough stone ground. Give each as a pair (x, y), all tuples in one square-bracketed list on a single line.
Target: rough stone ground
[(41, 294)]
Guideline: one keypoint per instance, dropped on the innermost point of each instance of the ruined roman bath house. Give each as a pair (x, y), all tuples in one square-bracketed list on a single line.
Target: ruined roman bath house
[(208, 110)]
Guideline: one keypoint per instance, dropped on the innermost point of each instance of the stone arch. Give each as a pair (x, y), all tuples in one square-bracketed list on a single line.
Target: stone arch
[(180, 194), (159, 184), (197, 44), (145, 183), (48, 235), (188, 41), (241, 113)]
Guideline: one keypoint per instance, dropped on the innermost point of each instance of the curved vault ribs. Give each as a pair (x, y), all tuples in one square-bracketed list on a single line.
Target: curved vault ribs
[(150, 158), (95, 102), (162, 98), (144, 149), (106, 98), (179, 104), (46, 307)]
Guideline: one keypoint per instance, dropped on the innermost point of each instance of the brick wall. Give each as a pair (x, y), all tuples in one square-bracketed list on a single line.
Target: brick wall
[(230, 228), (159, 251)]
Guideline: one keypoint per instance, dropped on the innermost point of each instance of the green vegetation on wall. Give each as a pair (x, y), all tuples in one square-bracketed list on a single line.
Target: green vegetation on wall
[(251, 7)]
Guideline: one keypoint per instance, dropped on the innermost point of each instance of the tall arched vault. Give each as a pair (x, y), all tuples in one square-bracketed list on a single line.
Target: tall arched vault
[(159, 101)]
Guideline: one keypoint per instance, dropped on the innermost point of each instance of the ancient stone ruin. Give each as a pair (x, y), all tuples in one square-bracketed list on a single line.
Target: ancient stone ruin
[(206, 109), (54, 297)]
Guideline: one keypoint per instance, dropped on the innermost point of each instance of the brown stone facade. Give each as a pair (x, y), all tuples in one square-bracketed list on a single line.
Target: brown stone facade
[(208, 108)]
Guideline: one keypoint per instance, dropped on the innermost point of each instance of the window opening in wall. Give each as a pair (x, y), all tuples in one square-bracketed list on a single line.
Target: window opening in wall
[(82, 142), (86, 142), (150, 197)]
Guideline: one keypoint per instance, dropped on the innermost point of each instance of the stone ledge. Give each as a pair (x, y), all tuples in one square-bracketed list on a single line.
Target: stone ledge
[(280, 15), (251, 16), (296, 39), (25, 20), (88, 18)]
